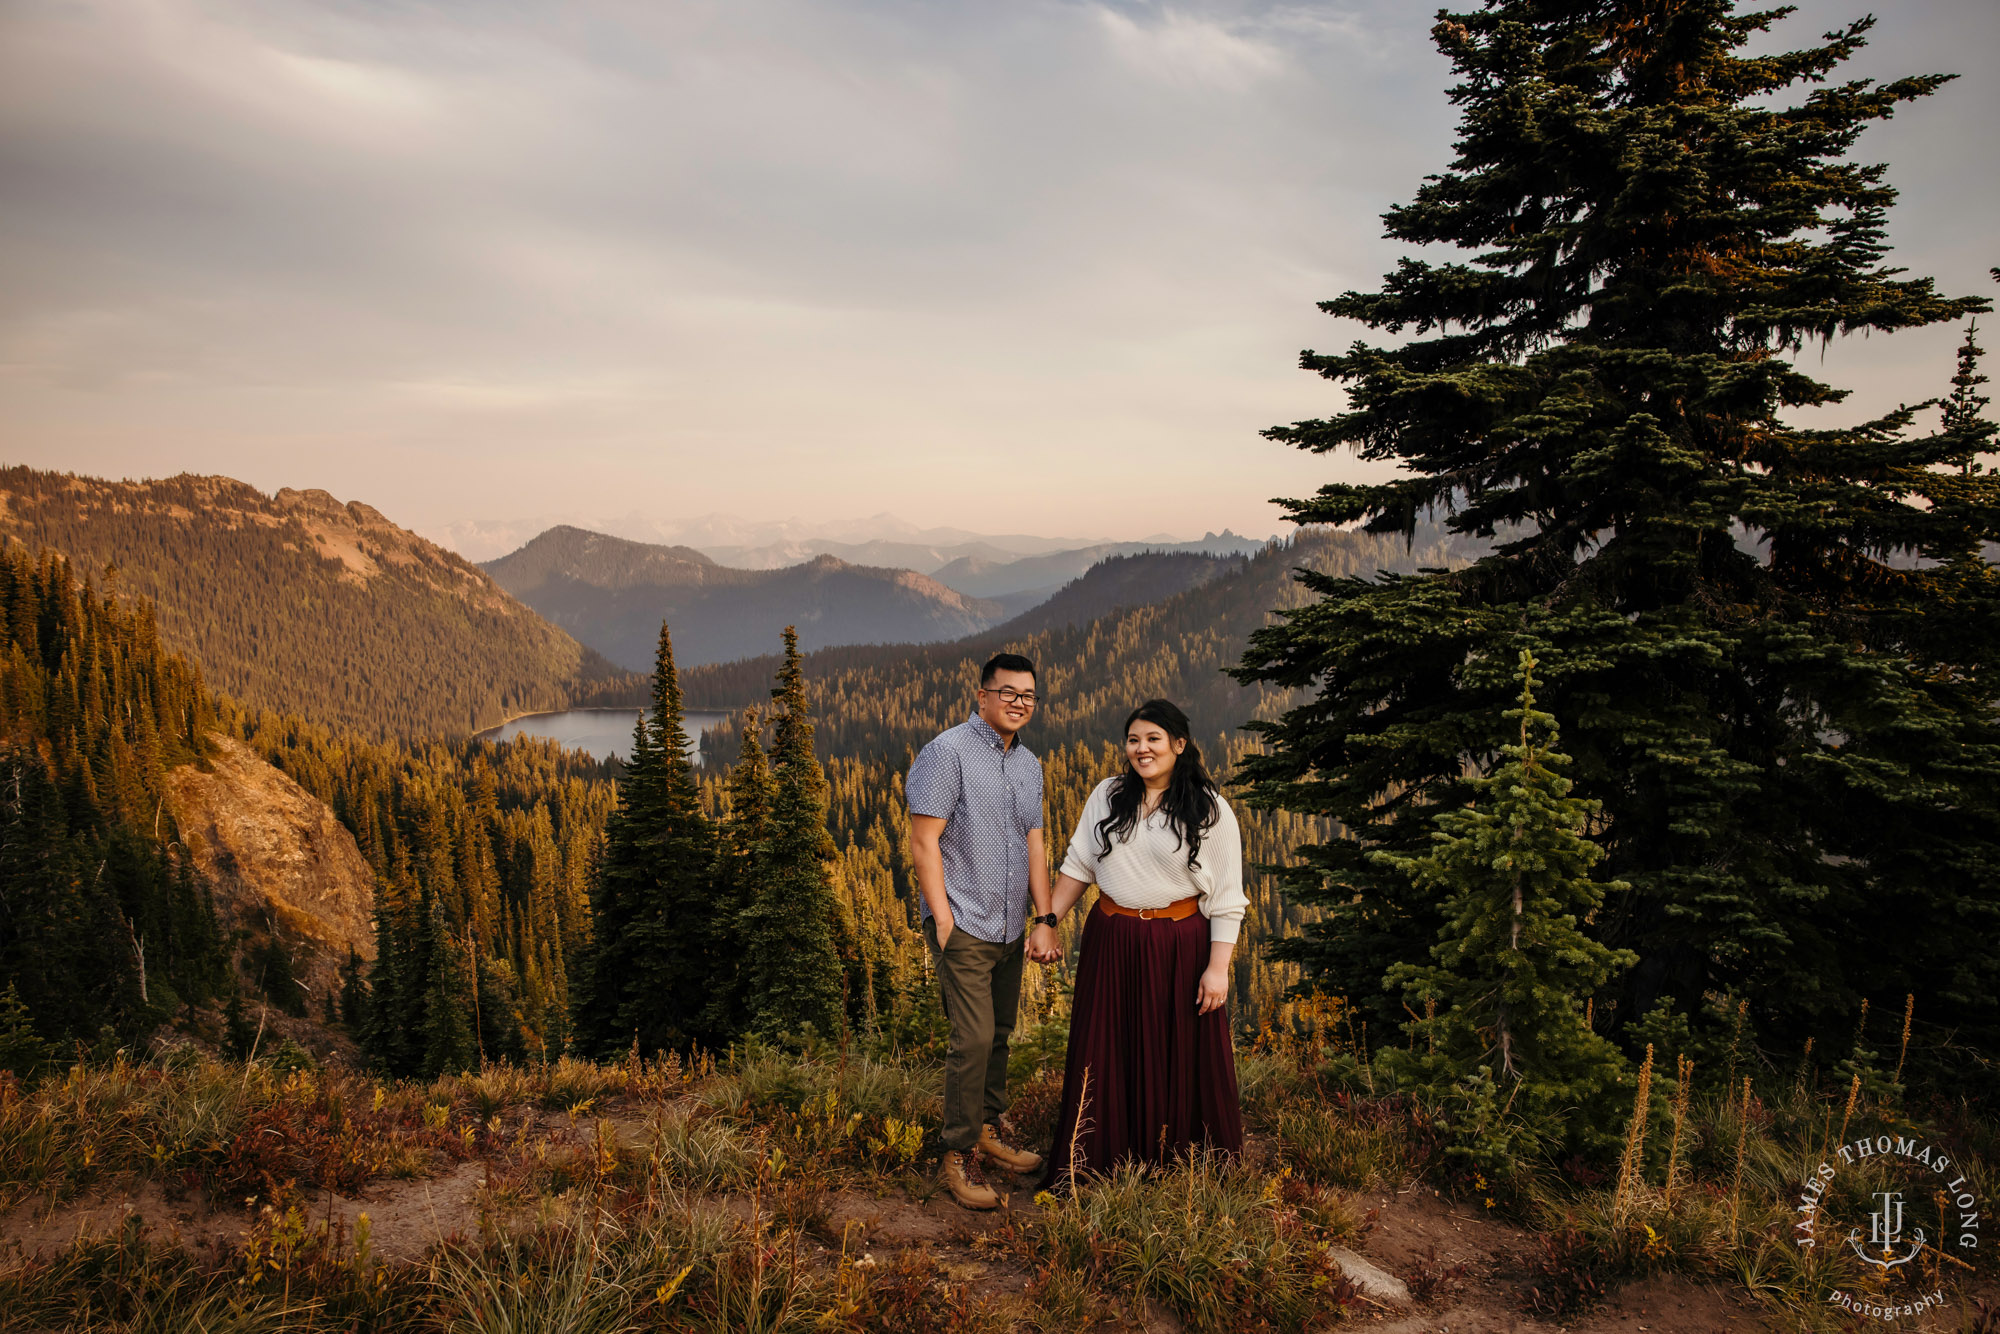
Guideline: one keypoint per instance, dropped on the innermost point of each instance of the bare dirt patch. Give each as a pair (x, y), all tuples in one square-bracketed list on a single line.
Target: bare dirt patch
[(1417, 1228), (36, 1227), (407, 1218)]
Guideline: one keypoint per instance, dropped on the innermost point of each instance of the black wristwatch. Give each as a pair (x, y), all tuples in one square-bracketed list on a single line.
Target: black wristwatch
[(1046, 919)]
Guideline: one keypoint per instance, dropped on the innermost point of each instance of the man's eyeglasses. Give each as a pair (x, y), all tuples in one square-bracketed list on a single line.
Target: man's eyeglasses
[(1009, 695)]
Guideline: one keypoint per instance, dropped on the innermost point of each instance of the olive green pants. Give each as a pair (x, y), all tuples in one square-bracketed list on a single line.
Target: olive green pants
[(981, 982)]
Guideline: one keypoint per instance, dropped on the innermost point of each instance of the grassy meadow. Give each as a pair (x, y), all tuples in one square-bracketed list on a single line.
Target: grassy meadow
[(748, 1191)]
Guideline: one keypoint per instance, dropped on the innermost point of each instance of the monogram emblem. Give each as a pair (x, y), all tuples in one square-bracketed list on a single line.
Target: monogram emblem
[(1885, 1233)]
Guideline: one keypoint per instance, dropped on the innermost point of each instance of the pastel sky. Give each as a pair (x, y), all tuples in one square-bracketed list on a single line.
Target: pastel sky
[(1030, 266)]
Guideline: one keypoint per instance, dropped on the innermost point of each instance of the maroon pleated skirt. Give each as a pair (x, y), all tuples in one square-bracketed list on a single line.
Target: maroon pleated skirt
[(1161, 1078)]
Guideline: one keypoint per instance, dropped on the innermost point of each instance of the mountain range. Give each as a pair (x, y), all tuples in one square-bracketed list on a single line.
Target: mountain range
[(985, 577), (977, 564), (883, 700), (613, 594), (300, 603), (733, 539)]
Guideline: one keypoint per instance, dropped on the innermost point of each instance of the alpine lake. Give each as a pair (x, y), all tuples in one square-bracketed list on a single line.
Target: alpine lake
[(600, 733)]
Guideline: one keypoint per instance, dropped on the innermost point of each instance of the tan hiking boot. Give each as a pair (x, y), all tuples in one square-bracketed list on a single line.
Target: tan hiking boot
[(1014, 1160), (967, 1186)]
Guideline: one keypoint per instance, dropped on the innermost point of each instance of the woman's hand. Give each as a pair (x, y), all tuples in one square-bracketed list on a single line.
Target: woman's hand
[(1213, 989)]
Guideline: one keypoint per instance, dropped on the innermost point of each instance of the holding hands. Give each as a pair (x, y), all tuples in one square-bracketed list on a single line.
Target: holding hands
[(1044, 946)]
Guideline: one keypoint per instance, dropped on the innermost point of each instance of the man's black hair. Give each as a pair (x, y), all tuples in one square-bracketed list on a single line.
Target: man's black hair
[(1005, 662)]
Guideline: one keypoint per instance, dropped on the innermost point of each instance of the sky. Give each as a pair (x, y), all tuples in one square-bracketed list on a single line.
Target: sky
[(1033, 266)]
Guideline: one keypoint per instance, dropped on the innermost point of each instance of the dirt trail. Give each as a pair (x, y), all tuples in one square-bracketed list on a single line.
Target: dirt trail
[(1474, 1269)]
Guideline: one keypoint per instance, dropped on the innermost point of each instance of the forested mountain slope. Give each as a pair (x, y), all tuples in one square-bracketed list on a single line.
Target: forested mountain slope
[(298, 603), (104, 928), (879, 699), (987, 578), (1122, 581), (612, 594)]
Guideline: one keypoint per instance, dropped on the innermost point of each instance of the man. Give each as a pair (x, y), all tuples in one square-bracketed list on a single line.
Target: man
[(976, 840)]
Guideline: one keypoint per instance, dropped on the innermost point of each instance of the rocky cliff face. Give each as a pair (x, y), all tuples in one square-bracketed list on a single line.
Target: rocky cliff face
[(279, 861)]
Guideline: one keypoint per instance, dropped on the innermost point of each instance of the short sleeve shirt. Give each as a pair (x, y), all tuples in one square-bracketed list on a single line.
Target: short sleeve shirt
[(989, 794)]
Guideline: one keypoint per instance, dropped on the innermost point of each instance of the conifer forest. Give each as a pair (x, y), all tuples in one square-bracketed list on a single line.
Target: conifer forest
[(1619, 776)]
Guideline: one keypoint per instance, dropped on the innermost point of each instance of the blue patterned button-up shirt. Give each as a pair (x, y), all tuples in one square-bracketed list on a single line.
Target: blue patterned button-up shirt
[(989, 795)]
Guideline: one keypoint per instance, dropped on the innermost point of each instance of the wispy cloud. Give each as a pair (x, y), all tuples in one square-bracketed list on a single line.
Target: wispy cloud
[(791, 255)]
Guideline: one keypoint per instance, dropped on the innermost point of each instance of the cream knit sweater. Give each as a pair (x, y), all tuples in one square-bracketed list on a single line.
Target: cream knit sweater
[(1149, 869)]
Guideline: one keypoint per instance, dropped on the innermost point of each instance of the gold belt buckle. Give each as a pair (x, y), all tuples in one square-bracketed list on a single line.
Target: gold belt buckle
[(1146, 914)]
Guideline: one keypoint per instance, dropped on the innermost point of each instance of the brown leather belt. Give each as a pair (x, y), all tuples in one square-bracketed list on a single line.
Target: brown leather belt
[(1173, 912)]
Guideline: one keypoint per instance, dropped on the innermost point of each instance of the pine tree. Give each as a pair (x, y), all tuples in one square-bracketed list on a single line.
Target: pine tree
[(1792, 734), (791, 966), (354, 996), (22, 1051), (449, 1043), (392, 1035), (1505, 995), (649, 969), (239, 1035), (271, 964), (739, 861)]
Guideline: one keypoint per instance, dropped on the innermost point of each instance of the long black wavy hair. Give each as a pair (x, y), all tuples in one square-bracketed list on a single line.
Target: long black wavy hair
[(1190, 803)]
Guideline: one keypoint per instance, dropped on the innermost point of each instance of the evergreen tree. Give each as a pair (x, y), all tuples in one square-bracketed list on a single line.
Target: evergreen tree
[(23, 1052), (740, 850), (649, 968), (271, 964), (354, 994), (1792, 734), (392, 1035), (450, 1045), (1505, 994), (239, 1035), (791, 965), (500, 1014)]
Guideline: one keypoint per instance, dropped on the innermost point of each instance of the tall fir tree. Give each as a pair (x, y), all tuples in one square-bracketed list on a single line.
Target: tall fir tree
[(739, 859), (393, 1035), (23, 1052), (354, 995), (450, 1044), (791, 963), (1771, 648), (1505, 994), (649, 970)]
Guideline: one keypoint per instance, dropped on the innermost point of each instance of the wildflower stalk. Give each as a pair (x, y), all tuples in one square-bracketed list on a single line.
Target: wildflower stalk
[(1631, 1167), (1684, 1081), (1909, 1011), (1742, 1137), (1853, 1096)]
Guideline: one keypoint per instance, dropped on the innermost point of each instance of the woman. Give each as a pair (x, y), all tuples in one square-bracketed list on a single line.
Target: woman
[(1150, 1073)]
